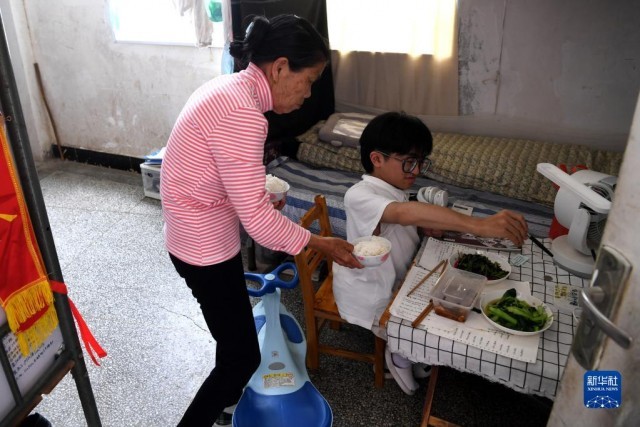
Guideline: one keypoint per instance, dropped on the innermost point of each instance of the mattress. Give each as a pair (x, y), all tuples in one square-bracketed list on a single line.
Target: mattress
[(306, 181), (504, 166)]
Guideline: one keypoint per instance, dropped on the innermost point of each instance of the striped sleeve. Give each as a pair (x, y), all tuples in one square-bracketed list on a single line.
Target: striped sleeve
[(238, 144)]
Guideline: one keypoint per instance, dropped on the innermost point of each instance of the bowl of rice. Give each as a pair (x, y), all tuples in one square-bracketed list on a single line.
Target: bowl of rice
[(371, 251), (276, 187)]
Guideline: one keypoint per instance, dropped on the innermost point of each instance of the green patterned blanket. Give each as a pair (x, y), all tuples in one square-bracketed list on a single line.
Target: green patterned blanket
[(500, 165)]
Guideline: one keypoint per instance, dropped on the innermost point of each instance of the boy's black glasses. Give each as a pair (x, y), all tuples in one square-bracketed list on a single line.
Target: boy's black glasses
[(409, 164)]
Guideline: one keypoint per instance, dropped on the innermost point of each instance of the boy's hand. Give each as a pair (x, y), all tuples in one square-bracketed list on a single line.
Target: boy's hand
[(506, 224)]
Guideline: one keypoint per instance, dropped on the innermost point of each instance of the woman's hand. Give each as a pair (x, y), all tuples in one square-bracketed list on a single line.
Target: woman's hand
[(279, 205), (339, 250), (342, 252)]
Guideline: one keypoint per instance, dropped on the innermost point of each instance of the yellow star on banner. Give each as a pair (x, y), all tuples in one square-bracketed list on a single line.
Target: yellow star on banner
[(8, 217)]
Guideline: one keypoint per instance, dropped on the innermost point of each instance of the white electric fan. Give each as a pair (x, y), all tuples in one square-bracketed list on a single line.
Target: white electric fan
[(582, 204)]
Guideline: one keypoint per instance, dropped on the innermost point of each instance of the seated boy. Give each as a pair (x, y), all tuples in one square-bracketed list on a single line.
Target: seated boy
[(394, 148)]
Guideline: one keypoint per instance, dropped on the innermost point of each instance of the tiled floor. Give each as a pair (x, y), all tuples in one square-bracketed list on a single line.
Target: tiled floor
[(109, 242)]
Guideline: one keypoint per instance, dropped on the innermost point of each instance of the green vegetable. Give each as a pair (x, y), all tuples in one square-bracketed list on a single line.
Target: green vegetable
[(480, 264), (501, 315), (510, 293), (515, 313)]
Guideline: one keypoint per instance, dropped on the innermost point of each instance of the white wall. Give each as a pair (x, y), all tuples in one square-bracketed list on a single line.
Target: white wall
[(19, 43), (565, 71), (560, 70), (105, 96)]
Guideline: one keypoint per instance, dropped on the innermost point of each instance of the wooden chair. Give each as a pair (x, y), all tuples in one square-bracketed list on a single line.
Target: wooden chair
[(320, 306)]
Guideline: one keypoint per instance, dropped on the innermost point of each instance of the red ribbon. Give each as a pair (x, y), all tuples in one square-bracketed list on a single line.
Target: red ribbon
[(90, 342)]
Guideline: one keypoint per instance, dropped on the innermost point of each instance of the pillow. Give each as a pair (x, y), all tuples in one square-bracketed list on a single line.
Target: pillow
[(344, 129), (507, 166)]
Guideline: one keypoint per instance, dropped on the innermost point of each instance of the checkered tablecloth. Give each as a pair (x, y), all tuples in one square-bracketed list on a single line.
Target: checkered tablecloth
[(539, 378)]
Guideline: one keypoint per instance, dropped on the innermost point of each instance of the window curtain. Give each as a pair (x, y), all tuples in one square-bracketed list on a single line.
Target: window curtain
[(421, 85)]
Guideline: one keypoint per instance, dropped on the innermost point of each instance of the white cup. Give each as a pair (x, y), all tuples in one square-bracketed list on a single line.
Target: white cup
[(441, 198), (431, 193), (422, 195)]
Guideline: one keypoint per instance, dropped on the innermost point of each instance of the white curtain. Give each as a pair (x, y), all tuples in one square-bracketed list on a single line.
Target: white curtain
[(417, 74)]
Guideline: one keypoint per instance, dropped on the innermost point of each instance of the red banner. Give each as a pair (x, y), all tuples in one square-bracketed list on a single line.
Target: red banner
[(25, 293)]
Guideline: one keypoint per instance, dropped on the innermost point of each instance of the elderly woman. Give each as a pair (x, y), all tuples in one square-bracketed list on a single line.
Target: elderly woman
[(213, 179)]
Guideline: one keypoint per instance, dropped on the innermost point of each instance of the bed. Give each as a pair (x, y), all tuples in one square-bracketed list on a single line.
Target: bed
[(306, 181), (483, 172)]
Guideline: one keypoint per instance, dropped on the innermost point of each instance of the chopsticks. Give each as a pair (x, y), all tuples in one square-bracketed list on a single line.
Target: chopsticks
[(442, 265), (539, 244), (425, 278), (422, 315)]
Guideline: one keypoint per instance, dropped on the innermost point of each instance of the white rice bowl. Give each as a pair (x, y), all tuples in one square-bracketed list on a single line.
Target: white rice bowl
[(276, 187), (371, 251)]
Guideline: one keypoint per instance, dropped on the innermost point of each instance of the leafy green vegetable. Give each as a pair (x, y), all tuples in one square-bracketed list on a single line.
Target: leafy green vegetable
[(480, 264), (515, 313)]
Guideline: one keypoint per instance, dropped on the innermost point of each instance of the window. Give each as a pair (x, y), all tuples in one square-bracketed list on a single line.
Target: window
[(414, 27), (395, 55), (159, 22)]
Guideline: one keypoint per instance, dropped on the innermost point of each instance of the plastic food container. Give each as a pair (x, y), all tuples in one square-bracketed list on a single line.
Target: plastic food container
[(456, 293)]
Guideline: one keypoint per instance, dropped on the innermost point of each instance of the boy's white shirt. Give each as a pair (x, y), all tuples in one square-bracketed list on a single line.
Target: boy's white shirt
[(363, 294)]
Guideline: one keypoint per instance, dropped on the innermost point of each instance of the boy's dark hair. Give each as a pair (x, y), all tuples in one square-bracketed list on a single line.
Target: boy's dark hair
[(287, 36), (394, 132)]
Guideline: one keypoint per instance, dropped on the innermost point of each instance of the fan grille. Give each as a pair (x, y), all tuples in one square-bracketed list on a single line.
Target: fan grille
[(598, 221)]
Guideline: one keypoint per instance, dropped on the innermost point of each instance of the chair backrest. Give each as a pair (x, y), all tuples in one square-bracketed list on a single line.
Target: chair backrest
[(318, 212), (309, 260)]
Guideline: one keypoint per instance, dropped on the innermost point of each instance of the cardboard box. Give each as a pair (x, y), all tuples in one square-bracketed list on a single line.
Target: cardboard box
[(150, 180)]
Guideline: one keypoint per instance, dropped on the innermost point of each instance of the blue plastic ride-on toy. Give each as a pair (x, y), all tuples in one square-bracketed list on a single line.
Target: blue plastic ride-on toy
[(279, 394)]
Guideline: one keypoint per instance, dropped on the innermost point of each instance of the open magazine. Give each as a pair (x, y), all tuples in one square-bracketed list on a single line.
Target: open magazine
[(474, 241)]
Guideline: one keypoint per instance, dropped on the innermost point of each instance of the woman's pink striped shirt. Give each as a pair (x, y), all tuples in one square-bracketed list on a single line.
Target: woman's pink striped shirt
[(212, 176)]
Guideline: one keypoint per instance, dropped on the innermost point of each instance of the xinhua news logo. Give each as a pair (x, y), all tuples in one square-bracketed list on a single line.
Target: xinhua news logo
[(602, 389)]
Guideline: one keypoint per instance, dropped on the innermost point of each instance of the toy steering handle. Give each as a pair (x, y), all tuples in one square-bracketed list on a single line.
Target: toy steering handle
[(270, 281)]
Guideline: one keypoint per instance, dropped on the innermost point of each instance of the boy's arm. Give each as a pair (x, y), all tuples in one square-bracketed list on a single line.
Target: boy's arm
[(506, 224)]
